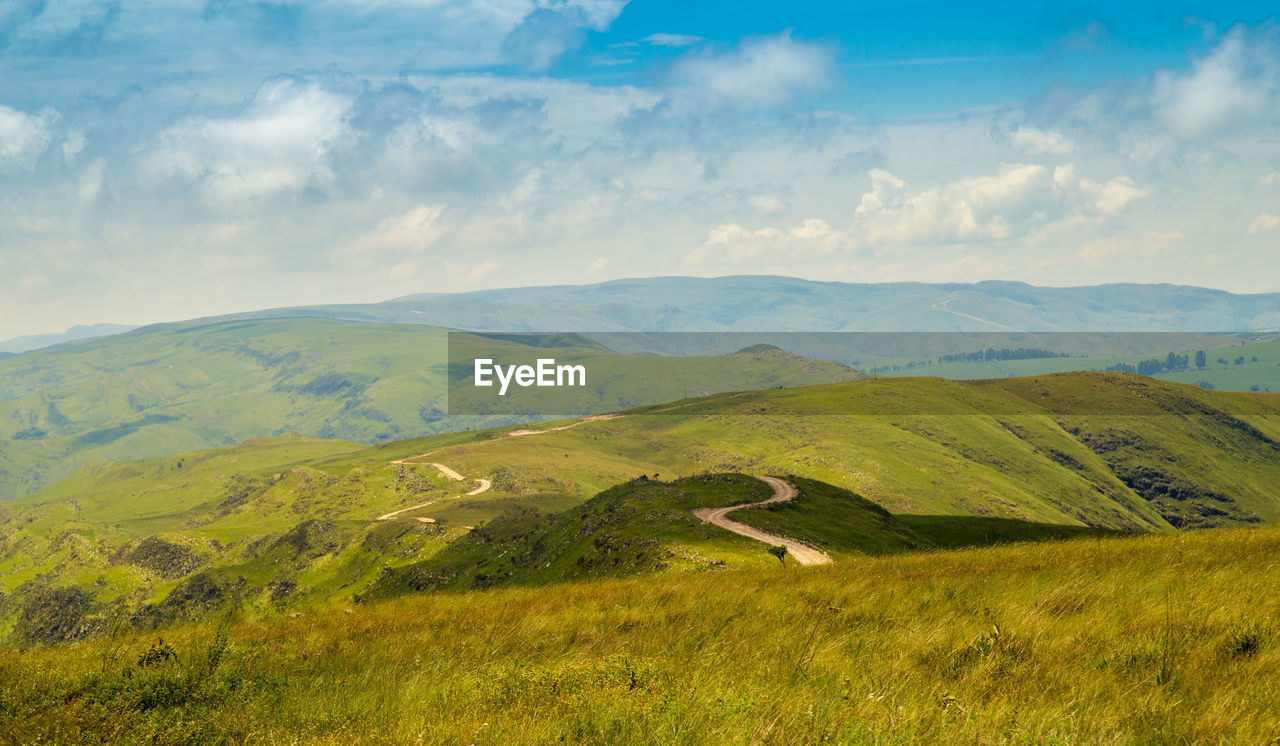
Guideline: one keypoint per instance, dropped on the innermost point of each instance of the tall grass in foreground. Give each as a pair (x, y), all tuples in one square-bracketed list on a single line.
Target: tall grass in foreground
[(1154, 639)]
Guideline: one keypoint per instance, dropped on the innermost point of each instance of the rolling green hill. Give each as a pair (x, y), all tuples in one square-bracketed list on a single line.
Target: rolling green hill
[(290, 521), (647, 526), (168, 389)]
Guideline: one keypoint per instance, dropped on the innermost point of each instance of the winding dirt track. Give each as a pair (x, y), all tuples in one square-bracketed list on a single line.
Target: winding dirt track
[(944, 305), (782, 491), (484, 484)]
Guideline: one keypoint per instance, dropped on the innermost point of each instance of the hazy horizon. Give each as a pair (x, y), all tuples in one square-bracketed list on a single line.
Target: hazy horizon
[(498, 288)]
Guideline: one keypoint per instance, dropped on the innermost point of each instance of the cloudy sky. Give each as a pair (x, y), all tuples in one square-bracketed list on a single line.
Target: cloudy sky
[(164, 159)]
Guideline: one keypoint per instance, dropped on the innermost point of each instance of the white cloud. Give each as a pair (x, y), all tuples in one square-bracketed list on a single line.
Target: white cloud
[(1272, 178), (1007, 204), (883, 184), (672, 40), (1231, 90), (72, 145), (1236, 82), (1037, 141), (759, 72), (281, 143), (1264, 223), (23, 137), (554, 27), (1106, 198), (731, 243), (966, 210)]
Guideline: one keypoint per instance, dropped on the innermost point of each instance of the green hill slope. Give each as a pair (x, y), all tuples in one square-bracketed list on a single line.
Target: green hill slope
[(169, 389), (648, 526)]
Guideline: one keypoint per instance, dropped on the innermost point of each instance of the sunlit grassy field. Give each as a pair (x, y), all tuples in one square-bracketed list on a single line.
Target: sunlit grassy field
[(1152, 639)]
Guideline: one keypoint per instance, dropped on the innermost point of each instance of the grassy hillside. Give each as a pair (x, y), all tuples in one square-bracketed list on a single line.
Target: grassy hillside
[(165, 390), (287, 521), (1020, 452), (647, 526), (1157, 639)]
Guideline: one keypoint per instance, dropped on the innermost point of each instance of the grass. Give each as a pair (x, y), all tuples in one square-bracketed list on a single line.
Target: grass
[(1154, 639), (959, 531), (838, 521)]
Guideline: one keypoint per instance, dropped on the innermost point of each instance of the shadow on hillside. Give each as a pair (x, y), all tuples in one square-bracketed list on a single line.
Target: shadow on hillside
[(955, 531)]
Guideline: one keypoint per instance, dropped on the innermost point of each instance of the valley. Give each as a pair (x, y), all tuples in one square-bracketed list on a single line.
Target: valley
[(288, 521)]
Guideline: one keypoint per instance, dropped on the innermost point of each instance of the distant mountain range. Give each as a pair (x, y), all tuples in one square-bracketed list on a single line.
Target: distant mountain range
[(764, 303), (18, 345)]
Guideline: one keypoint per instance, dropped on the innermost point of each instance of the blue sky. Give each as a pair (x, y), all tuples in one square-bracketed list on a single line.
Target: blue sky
[(163, 160)]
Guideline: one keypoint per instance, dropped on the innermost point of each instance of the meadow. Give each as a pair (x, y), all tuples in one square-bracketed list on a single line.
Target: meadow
[(1153, 639)]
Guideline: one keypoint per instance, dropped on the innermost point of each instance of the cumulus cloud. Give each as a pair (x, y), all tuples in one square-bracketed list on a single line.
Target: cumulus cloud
[(759, 72), (1231, 88), (1010, 203), (1105, 198), (1264, 223), (1235, 83), (24, 137), (731, 243), (281, 143)]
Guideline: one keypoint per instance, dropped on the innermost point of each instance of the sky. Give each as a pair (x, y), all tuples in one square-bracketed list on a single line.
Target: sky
[(162, 160)]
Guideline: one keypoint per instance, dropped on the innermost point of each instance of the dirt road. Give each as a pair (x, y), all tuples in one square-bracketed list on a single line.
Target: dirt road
[(782, 491), (483, 486), (583, 421), (944, 305)]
